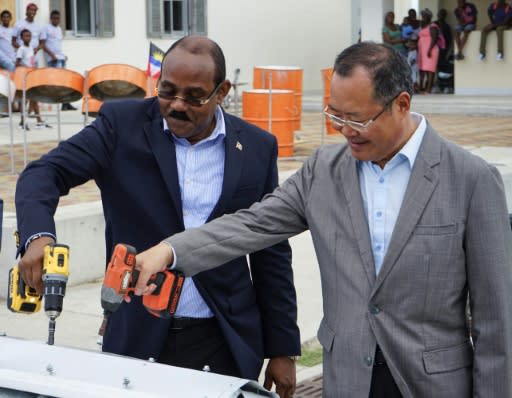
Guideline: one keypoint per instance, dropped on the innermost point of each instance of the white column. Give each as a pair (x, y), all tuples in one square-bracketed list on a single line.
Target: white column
[(402, 6), (372, 18)]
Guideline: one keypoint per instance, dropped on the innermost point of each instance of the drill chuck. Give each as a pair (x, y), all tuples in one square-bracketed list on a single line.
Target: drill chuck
[(54, 291), (110, 299)]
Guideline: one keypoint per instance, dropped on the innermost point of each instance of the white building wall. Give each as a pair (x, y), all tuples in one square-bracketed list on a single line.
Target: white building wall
[(372, 17), (267, 32), (286, 32)]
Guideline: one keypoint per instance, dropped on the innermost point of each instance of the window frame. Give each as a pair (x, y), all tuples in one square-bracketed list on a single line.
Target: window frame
[(102, 18), (156, 18)]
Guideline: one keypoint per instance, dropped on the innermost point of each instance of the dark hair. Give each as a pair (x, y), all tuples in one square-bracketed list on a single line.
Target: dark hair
[(388, 69), (55, 12), (210, 47), (24, 31), (5, 12)]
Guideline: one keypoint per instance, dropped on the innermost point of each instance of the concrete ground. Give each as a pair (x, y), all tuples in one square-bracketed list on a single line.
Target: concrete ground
[(482, 125)]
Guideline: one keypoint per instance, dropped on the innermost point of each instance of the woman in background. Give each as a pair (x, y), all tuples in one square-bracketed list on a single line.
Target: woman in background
[(428, 51), (391, 33)]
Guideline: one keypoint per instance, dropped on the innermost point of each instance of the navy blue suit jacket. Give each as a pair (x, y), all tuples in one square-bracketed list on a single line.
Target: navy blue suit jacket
[(133, 163)]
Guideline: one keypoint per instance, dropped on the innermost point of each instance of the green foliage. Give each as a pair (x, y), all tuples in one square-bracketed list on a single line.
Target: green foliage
[(311, 356)]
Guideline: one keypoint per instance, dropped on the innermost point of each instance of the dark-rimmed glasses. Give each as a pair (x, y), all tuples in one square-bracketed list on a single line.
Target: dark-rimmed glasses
[(338, 123), (189, 100)]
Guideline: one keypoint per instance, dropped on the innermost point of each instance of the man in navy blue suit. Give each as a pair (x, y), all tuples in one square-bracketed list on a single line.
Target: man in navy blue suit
[(163, 165)]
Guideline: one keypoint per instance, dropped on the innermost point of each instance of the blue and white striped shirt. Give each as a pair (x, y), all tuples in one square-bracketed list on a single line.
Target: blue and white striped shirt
[(383, 191), (200, 173)]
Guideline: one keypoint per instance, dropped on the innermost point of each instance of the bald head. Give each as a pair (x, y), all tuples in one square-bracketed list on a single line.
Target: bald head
[(202, 45)]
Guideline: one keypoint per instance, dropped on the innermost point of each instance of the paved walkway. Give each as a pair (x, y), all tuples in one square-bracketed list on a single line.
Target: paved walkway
[(468, 129)]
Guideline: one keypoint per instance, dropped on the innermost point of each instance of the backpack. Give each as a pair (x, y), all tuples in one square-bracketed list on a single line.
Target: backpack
[(441, 41)]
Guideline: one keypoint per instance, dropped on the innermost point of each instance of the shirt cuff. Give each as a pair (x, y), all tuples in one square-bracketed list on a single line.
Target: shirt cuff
[(174, 262), (37, 236)]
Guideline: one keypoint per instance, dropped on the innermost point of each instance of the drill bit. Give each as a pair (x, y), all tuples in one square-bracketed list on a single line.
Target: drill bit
[(51, 331)]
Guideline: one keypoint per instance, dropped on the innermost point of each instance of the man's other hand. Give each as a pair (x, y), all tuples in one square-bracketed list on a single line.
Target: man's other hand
[(31, 264), (281, 372)]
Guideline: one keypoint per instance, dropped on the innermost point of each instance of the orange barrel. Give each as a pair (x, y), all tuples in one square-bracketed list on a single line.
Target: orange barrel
[(284, 78), (116, 81), (255, 110), (19, 77), (54, 85), (326, 78)]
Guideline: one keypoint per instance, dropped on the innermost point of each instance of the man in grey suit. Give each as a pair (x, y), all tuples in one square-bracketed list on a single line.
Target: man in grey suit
[(405, 226)]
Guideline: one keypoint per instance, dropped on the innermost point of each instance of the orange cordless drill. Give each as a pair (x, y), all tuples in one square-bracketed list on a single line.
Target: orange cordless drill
[(121, 278)]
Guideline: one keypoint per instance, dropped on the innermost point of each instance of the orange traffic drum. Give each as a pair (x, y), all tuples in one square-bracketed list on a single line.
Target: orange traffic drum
[(116, 81), (19, 79), (54, 85), (272, 111), (285, 78), (326, 78)]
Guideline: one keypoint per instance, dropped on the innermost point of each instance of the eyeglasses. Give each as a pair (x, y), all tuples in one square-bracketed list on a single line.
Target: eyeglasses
[(338, 123), (189, 100)]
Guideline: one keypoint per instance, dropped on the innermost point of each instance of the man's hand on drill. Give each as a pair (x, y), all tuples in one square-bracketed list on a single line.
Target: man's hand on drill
[(31, 264), (149, 262)]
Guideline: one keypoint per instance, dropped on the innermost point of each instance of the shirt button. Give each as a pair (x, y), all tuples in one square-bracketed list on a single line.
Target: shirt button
[(374, 309), (381, 180), (377, 247), (368, 361), (379, 214)]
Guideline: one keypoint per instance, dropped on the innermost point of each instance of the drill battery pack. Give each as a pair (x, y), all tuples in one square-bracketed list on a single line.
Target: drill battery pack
[(21, 297), (163, 302)]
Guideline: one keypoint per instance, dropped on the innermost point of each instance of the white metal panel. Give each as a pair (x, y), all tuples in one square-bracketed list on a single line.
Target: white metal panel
[(67, 372)]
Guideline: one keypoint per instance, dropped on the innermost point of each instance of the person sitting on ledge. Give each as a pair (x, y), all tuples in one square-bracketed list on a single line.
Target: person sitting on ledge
[(500, 15)]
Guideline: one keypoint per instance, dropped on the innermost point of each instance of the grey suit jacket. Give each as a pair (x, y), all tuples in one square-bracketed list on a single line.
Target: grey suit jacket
[(452, 236)]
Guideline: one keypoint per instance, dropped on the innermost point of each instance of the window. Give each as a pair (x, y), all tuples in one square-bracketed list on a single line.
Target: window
[(86, 18), (176, 17)]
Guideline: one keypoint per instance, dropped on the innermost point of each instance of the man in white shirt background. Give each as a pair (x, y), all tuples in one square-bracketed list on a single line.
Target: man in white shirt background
[(30, 24)]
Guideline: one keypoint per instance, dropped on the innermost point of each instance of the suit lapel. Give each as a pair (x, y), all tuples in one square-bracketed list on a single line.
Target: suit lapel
[(233, 161), (352, 191), (422, 184), (164, 151)]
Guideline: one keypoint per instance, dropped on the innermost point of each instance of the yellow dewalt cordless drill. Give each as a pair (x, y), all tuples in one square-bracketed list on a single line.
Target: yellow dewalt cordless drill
[(22, 298)]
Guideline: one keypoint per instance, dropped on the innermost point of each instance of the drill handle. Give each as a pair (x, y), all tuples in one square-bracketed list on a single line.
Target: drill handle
[(158, 279)]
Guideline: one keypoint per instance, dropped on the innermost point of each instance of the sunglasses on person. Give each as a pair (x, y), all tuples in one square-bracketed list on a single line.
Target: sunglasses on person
[(189, 100)]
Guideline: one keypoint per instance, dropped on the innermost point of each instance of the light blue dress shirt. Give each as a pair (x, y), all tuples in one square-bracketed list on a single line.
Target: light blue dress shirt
[(200, 174), (383, 191)]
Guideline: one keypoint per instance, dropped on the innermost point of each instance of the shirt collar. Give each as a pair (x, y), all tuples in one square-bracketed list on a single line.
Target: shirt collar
[(218, 131), (412, 146)]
